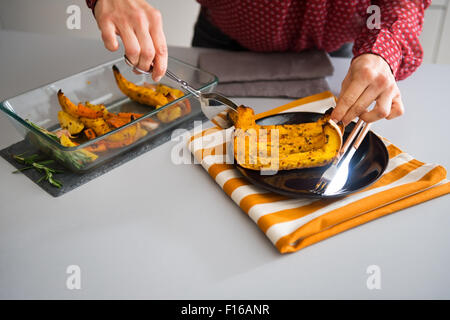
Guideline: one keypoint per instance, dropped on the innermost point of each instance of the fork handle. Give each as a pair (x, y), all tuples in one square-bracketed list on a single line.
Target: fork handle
[(351, 137), (361, 136)]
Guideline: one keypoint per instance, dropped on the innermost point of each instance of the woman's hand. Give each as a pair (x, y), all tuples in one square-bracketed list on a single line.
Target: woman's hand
[(140, 27), (368, 79)]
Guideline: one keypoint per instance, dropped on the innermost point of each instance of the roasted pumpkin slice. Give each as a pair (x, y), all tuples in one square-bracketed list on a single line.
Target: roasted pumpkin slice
[(99, 146), (72, 124), (77, 111), (137, 93), (99, 125), (170, 114), (169, 92), (125, 137), (116, 121), (98, 108), (66, 142), (177, 110), (130, 116), (285, 147)]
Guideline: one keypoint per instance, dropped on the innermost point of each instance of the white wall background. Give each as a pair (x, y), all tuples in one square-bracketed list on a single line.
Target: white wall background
[(436, 32), (49, 17)]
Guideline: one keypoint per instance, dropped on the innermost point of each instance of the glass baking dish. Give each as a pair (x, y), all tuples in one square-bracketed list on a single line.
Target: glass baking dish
[(98, 86)]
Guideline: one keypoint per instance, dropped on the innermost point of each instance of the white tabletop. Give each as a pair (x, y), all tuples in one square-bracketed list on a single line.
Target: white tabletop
[(152, 229)]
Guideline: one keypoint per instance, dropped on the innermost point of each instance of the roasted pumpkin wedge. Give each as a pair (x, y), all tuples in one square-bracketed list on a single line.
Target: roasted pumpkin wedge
[(126, 136), (72, 124), (116, 121), (285, 147), (170, 114), (98, 108), (177, 110), (99, 125), (137, 93), (77, 111)]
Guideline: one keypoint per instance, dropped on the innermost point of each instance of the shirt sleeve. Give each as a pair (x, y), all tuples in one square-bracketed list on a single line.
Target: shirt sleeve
[(91, 4), (397, 39)]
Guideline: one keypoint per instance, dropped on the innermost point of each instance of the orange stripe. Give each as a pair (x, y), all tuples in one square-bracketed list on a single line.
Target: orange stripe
[(215, 169), (204, 133), (254, 199), (233, 184), (397, 173), (268, 220), (393, 151), (353, 209), (219, 149), (367, 217), (296, 103), (215, 123)]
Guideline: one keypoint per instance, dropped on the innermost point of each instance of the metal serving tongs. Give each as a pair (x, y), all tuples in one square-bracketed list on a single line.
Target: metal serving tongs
[(214, 106), (335, 177)]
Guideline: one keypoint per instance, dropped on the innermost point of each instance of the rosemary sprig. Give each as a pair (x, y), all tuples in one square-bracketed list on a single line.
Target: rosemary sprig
[(49, 134), (41, 166), (78, 159)]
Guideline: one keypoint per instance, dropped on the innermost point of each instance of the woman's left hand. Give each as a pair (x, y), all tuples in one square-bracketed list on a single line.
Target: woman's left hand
[(368, 79)]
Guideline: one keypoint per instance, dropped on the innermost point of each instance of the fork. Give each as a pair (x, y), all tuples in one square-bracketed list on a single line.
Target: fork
[(208, 101), (335, 177)]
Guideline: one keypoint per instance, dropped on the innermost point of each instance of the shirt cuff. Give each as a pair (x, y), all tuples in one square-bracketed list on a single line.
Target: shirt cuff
[(382, 43), (91, 4)]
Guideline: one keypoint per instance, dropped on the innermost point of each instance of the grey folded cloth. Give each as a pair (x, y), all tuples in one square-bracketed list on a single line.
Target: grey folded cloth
[(285, 88), (243, 74)]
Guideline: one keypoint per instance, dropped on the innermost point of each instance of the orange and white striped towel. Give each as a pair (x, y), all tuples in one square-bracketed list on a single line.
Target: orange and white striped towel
[(292, 224)]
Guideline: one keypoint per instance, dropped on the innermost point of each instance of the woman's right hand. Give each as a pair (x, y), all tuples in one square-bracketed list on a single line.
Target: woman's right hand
[(141, 29)]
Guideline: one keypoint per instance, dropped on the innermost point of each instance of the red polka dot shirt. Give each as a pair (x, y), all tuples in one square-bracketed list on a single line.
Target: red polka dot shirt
[(295, 25)]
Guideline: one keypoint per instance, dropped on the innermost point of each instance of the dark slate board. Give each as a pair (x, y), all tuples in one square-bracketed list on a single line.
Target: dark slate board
[(72, 180)]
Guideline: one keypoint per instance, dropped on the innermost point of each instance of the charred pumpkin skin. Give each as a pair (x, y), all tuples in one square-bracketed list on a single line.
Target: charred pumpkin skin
[(137, 93), (305, 145)]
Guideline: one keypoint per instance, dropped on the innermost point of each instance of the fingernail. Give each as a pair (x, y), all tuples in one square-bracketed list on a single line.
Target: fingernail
[(157, 79)]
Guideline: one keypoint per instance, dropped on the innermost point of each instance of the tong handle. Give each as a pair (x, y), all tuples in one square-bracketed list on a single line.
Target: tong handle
[(183, 84)]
